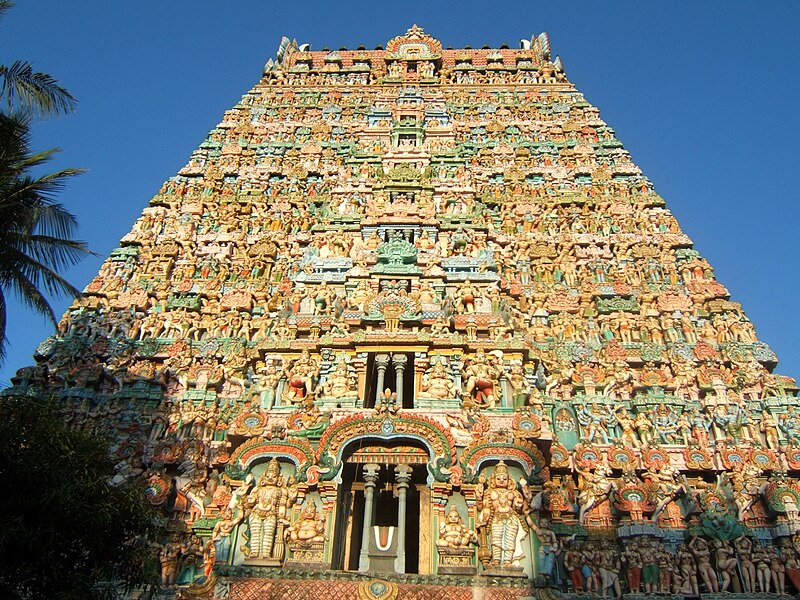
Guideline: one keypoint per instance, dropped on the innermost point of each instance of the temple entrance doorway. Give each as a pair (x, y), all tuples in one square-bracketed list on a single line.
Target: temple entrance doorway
[(382, 508)]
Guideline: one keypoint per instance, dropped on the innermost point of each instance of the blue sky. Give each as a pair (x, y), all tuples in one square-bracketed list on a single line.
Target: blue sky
[(703, 95)]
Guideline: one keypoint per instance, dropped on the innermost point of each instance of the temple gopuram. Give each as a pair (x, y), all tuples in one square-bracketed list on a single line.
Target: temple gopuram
[(411, 324)]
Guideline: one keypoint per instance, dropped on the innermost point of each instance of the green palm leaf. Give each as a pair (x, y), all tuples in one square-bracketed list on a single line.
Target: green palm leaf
[(36, 232), (23, 89)]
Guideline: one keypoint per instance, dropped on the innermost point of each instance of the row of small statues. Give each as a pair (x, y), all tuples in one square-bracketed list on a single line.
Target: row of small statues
[(537, 107), (727, 422), (576, 262), (310, 190), (546, 74), (605, 370), (646, 565)]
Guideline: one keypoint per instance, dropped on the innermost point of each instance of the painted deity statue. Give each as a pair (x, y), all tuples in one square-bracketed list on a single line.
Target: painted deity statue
[(482, 375), (267, 504), (300, 378), (437, 383), (266, 385), (221, 535), (340, 383), (309, 528), (548, 546), (593, 488), (453, 533), (500, 519)]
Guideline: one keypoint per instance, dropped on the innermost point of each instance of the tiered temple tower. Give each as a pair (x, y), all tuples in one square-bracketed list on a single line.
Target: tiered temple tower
[(412, 321)]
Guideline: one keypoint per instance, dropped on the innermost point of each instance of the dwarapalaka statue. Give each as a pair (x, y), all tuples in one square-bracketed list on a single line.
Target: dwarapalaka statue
[(267, 504), (500, 521)]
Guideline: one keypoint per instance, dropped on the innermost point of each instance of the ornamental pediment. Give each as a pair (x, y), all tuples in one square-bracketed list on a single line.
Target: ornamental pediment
[(414, 45)]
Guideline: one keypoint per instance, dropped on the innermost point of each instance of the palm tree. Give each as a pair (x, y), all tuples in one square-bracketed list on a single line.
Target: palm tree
[(35, 230), (24, 90)]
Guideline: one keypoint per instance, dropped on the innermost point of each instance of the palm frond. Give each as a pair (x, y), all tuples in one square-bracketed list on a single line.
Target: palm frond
[(28, 271), (31, 296), (53, 252), (35, 230), (22, 88), (3, 320), (33, 199)]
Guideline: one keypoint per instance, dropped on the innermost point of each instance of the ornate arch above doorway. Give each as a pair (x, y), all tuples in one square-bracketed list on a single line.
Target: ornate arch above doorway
[(439, 443)]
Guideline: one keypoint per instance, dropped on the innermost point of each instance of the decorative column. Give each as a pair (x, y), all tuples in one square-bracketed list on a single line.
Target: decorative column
[(360, 365), (370, 478), (505, 390), (381, 362), (399, 361), (402, 474)]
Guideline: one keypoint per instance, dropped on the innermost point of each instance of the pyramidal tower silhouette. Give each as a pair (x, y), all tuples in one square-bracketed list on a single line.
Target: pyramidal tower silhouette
[(411, 324)]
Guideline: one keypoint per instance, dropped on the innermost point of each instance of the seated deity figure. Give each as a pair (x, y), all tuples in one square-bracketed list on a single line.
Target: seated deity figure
[(500, 517), (340, 383), (323, 299), (453, 534), (360, 296), (428, 297), (440, 326), (309, 528), (665, 423), (267, 505), (437, 383)]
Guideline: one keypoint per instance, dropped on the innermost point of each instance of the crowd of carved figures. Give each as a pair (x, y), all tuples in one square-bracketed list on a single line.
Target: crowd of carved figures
[(474, 222)]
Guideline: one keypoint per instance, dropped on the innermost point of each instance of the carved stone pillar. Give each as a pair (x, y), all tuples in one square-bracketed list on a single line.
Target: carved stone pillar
[(399, 361), (370, 478), (402, 474), (381, 362), (503, 391)]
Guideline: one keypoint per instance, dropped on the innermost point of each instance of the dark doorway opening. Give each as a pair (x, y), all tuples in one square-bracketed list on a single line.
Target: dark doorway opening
[(350, 513), (390, 380)]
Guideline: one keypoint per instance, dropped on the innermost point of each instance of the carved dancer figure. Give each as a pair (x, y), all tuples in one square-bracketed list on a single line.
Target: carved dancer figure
[(593, 488), (702, 555)]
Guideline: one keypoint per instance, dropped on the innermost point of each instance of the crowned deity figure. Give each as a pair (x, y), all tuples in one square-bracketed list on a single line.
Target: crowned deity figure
[(301, 376), (500, 520), (482, 374), (438, 383), (341, 382), (309, 529), (453, 534), (267, 506)]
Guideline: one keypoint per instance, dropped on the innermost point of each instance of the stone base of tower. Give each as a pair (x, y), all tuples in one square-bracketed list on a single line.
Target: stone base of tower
[(296, 584), (371, 589)]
